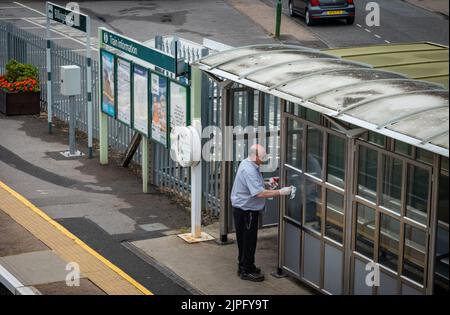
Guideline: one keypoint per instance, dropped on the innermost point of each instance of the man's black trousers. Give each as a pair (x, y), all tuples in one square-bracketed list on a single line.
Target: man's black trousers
[(246, 224)]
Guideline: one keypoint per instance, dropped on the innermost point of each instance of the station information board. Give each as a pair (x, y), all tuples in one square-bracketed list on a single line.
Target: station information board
[(159, 109), (108, 84), (123, 85), (141, 100)]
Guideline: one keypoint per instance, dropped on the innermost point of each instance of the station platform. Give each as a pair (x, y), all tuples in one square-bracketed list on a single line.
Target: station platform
[(37, 256)]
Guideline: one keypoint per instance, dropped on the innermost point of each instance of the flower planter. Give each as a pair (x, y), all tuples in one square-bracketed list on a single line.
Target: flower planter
[(19, 103)]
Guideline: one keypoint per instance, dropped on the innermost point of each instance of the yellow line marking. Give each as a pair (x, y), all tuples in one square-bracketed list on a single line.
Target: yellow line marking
[(71, 236)]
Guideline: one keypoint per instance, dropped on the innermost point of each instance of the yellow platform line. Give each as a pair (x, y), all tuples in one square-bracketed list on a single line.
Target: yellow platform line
[(106, 275)]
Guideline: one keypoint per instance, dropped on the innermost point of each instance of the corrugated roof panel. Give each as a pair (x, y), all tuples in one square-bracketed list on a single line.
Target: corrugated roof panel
[(279, 74), (386, 102), (424, 126), (423, 70), (258, 61), (228, 55), (440, 80), (382, 49), (402, 58), (319, 83), (341, 98), (441, 141), (384, 109)]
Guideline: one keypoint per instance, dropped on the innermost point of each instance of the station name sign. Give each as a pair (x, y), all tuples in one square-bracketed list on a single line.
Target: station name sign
[(67, 17), (145, 53)]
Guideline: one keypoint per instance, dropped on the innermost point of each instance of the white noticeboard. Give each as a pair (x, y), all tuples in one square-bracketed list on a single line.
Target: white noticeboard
[(124, 91), (159, 109), (178, 105), (140, 104)]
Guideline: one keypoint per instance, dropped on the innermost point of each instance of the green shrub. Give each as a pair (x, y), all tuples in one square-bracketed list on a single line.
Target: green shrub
[(20, 77), (16, 72)]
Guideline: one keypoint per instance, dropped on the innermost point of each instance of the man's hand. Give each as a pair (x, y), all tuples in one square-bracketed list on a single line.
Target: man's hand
[(286, 191), (274, 182)]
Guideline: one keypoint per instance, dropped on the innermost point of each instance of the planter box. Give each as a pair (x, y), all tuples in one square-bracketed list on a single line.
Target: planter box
[(19, 103)]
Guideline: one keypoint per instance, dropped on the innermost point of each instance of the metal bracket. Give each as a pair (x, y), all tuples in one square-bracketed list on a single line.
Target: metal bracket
[(351, 133)]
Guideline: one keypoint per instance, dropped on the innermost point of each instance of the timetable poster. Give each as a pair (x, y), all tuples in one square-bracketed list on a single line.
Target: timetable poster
[(178, 105), (124, 91), (108, 84), (140, 96), (159, 109)]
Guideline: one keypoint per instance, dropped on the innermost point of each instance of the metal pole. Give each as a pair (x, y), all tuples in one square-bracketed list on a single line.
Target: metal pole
[(278, 18), (145, 163), (89, 86), (225, 172), (72, 118), (49, 72), (348, 213), (103, 121), (434, 224), (196, 171)]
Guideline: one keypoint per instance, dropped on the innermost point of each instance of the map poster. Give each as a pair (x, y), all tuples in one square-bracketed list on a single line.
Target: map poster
[(108, 84), (159, 109), (141, 100), (124, 91), (178, 105)]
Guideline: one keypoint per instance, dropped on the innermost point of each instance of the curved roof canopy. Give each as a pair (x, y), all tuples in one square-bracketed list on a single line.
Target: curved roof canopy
[(389, 103)]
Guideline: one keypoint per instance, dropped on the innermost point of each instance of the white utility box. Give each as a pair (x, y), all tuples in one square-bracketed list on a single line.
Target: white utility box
[(70, 80)]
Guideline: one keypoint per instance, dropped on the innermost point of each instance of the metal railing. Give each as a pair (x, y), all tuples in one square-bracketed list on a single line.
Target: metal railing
[(30, 48), (26, 47), (167, 173)]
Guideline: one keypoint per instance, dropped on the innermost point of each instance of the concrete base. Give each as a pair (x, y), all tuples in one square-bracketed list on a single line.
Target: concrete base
[(211, 269), (67, 154), (188, 238), (278, 275)]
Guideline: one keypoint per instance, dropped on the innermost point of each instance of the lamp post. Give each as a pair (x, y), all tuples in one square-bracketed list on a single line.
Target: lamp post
[(278, 18)]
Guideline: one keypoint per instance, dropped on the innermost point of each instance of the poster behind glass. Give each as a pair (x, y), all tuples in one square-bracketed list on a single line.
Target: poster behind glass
[(159, 109), (108, 84), (124, 91), (178, 105), (140, 97)]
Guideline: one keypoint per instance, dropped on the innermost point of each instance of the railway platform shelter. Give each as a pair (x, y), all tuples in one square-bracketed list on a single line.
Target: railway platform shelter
[(364, 136)]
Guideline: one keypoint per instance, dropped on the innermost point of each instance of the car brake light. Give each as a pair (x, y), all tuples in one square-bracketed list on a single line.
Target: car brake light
[(350, 1), (315, 3)]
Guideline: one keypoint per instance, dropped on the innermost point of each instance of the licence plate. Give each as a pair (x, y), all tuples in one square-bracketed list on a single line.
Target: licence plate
[(336, 12)]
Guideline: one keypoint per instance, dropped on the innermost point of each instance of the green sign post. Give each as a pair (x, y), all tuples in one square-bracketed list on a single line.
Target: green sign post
[(70, 18), (80, 22)]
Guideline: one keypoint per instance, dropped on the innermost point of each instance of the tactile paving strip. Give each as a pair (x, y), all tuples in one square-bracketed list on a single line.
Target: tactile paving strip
[(93, 266)]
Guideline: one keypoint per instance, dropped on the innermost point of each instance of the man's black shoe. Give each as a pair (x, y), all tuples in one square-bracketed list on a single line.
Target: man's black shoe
[(255, 277), (256, 270)]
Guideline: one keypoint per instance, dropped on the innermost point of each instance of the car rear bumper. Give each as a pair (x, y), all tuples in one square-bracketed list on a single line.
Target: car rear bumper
[(332, 12)]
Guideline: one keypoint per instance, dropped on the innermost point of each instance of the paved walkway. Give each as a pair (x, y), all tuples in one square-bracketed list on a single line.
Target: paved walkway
[(438, 6), (210, 268), (35, 265), (264, 16), (69, 210)]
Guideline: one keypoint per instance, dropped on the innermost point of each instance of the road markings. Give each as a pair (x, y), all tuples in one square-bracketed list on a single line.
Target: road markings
[(367, 30), (30, 28), (4, 189), (387, 42), (377, 36), (359, 25), (29, 8), (9, 8), (59, 33), (12, 18), (30, 20)]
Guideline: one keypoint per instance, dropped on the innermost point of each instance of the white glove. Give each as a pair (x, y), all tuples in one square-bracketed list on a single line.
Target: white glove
[(286, 191)]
